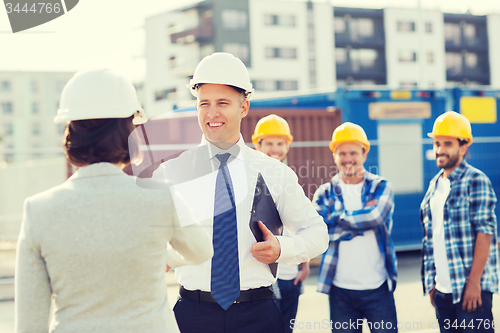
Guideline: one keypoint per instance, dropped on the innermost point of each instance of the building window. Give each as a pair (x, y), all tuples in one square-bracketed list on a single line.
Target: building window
[(339, 24), (36, 129), (430, 57), (287, 85), (363, 57), (452, 33), (7, 107), (5, 86), (234, 19), (35, 108), (271, 19), (171, 61), (264, 85), (281, 20), (34, 86), (8, 129), (454, 62), (470, 60), (283, 52), (407, 56), (406, 26), (340, 56), (165, 94), (428, 27), (364, 26), (238, 50), (469, 31), (9, 156)]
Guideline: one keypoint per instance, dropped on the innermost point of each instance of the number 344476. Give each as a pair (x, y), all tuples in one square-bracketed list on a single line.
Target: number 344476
[(37, 8), (473, 323)]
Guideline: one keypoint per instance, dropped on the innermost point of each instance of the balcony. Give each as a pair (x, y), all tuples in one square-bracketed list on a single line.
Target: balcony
[(203, 33)]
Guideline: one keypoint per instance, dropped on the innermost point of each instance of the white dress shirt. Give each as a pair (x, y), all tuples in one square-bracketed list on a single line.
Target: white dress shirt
[(194, 173)]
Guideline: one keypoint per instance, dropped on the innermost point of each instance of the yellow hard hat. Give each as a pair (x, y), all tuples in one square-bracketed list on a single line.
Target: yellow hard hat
[(452, 124), (272, 125), (349, 132)]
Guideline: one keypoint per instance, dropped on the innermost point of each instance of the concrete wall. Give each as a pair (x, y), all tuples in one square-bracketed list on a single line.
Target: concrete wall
[(21, 180)]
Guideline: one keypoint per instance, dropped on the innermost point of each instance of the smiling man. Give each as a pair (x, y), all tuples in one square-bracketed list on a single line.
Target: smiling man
[(216, 183), (459, 255), (272, 137), (358, 271)]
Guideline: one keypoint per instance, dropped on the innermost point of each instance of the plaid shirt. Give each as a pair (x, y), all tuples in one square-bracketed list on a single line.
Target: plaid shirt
[(469, 209), (343, 225)]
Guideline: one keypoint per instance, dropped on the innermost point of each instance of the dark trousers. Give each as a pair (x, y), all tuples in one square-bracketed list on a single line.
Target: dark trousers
[(289, 301), (452, 318), (248, 317), (348, 308)]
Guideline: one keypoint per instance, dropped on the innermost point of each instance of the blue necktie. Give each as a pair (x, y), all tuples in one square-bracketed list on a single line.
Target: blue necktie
[(225, 279)]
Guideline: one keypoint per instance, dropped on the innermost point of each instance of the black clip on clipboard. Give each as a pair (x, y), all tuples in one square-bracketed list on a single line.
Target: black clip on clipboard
[(264, 209)]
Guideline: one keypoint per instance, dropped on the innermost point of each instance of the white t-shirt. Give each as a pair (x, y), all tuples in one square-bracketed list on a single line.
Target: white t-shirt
[(443, 281), (361, 264)]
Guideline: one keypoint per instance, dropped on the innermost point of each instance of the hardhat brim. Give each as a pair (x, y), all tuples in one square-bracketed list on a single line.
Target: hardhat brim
[(65, 115), (469, 140), (256, 138), (194, 91), (333, 145)]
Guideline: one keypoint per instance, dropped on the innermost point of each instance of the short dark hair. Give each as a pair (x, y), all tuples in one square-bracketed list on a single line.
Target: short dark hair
[(113, 148), (462, 142)]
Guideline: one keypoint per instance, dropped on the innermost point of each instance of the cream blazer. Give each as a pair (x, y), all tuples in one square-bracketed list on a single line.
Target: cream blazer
[(96, 246)]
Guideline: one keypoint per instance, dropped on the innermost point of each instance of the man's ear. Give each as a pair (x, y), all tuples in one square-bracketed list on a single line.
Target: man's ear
[(245, 106), (463, 150)]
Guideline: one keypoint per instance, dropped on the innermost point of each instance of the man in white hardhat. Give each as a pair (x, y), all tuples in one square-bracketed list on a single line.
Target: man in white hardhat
[(216, 181)]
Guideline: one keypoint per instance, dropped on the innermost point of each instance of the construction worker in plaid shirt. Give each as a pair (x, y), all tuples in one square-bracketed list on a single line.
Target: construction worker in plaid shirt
[(358, 271), (459, 256)]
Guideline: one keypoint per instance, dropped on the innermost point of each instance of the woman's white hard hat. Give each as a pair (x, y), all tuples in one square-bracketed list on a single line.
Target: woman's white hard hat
[(98, 94)]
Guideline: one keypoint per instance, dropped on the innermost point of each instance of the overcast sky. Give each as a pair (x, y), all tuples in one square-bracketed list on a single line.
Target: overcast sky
[(109, 33)]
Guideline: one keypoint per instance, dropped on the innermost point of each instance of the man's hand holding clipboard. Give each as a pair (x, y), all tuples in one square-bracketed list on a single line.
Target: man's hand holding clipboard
[(268, 250), (265, 223)]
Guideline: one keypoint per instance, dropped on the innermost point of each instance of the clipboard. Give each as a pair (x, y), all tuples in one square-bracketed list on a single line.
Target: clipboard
[(264, 209)]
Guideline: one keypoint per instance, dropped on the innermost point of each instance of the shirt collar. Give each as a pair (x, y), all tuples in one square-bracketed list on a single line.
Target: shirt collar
[(459, 171), (96, 170), (234, 150)]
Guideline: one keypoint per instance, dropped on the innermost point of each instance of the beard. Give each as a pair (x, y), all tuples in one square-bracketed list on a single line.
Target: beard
[(451, 162)]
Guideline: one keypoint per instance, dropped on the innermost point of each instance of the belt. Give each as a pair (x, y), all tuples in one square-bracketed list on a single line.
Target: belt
[(250, 295)]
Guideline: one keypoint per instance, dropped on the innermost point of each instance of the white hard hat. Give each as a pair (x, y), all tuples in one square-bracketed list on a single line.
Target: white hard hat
[(221, 68), (98, 94)]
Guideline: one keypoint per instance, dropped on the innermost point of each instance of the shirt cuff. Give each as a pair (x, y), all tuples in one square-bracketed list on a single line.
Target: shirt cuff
[(287, 250)]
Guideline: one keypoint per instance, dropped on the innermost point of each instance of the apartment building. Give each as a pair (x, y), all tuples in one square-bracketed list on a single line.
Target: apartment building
[(300, 45), (28, 104)]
